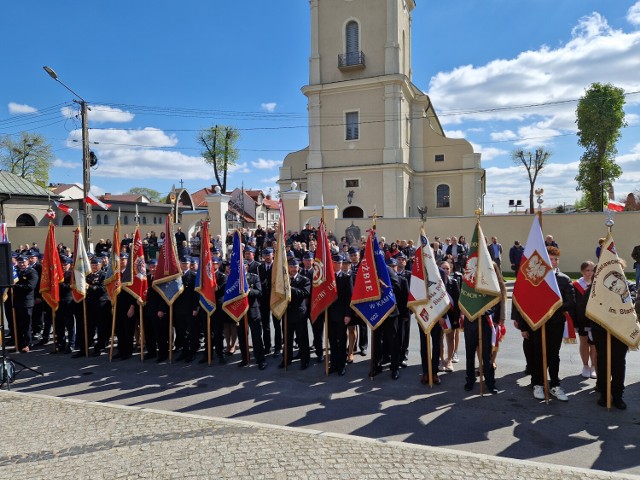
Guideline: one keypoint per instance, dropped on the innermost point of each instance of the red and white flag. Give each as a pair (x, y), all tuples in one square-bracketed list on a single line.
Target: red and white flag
[(616, 206), (93, 200), (536, 293), (324, 291), (65, 208)]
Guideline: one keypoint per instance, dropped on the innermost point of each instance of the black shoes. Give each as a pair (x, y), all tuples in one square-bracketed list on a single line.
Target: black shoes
[(304, 366), (404, 364), (78, 354), (395, 374), (343, 371), (320, 358), (262, 365), (162, 358), (468, 386), (363, 351), (243, 363), (619, 404)]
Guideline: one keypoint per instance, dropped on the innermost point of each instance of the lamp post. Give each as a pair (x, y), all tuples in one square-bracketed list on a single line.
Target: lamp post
[(86, 173)]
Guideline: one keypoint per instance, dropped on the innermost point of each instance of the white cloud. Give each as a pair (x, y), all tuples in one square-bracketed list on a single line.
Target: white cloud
[(269, 107), (266, 164), (272, 180), (633, 14), (58, 163), (101, 114), (502, 136), (115, 139), (18, 108), (454, 133), (488, 153), (632, 119), (239, 168)]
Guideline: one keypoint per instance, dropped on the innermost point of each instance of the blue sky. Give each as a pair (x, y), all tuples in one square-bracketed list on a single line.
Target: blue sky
[(157, 72)]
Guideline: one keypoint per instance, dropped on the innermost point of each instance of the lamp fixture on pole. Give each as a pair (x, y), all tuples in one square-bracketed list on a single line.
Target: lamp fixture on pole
[(350, 197), (86, 156)]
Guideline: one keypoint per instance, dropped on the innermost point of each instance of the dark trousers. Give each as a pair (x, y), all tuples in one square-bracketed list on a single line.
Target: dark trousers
[(299, 328), (436, 345), (265, 322), (317, 328), (161, 326), (338, 343), (180, 322), (194, 329), (554, 332), (405, 328), (618, 362), (363, 335), (37, 321), (47, 320), (149, 326), (387, 334), (125, 328), (471, 342), (23, 319), (255, 327), (98, 319), (65, 325), (277, 333)]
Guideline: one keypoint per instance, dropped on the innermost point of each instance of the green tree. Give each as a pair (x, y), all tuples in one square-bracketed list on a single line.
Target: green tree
[(150, 193), (533, 162), (29, 157), (220, 150), (599, 116)]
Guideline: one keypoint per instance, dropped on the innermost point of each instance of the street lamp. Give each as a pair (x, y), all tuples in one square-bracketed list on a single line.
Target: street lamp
[(86, 178)]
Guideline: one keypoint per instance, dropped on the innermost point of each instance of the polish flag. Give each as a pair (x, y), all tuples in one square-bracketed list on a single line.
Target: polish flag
[(616, 206), (93, 200)]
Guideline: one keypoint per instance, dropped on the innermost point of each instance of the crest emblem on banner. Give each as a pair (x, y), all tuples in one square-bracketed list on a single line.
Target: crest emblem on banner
[(535, 269)]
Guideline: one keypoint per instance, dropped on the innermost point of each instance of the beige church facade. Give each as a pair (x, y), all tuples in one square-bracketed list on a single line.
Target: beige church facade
[(375, 141)]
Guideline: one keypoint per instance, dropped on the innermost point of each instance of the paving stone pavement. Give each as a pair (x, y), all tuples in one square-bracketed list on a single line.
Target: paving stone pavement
[(52, 438)]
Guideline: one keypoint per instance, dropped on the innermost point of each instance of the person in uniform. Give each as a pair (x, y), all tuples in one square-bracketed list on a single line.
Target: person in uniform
[(297, 314), (253, 319), (98, 312), (150, 311), (23, 301), (65, 322), (250, 256), (317, 324), (264, 272), (219, 316), (125, 312), (405, 316), (363, 329), (186, 309), (386, 337), (340, 315)]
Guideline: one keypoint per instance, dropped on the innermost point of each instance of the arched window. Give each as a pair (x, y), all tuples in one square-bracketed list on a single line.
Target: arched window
[(155, 220), (353, 212), (67, 220), (99, 219), (126, 220), (352, 36), (442, 196), (144, 220), (106, 219), (25, 220)]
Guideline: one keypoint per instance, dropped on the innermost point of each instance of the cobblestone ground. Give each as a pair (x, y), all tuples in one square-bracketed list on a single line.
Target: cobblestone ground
[(52, 438)]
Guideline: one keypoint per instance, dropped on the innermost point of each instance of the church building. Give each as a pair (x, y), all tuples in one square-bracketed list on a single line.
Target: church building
[(375, 141)]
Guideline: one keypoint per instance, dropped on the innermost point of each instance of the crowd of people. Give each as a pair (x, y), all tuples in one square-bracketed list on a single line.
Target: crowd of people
[(86, 326)]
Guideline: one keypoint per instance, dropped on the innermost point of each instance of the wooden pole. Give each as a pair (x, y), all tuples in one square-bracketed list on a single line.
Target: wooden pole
[(170, 333), (209, 338), (53, 325), (608, 370), (86, 328), (544, 363), (429, 363), (15, 324), (142, 339), (481, 370), (246, 338), (113, 327), (286, 342), (326, 343)]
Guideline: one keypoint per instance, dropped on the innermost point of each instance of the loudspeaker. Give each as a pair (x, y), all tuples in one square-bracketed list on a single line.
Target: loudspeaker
[(6, 266)]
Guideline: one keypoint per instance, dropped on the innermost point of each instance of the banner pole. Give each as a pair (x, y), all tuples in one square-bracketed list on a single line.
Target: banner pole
[(372, 362), (15, 323), (113, 327), (286, 341), (481, 369), (209, 338), (608, 370), (246, 338), (326, 343), (429, 363), (170, 333)]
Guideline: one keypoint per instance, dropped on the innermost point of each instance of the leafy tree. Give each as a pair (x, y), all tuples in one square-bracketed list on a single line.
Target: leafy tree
[(150, 193), (29, 157), (599, 116), (533, 162), (220, 150)]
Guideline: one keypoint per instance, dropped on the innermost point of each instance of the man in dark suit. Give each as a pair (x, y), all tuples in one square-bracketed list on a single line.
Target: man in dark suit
[(65, 323), (387, 333), (151, 322), (125, 311), (250, 255), (186, 314), (23, 302), (340, 314), (218, 316), (317, 324), (253, 319), (297, 314), (264, 272), (363, 329), (405, 312)]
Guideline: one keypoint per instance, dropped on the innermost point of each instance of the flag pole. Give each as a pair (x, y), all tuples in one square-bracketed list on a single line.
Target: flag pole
[(171, 333), (113, 326), (326, 343), (372, 362), (429, 365), (480, 366), (246, 338), (86, 328), (53, 325), (609, 224), (209, 338), (142, 340)]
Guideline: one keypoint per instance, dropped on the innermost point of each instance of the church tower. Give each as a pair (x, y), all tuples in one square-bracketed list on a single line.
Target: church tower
[(370, 127)]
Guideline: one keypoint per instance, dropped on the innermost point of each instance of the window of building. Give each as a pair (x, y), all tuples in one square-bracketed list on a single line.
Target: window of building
[(353, 183), (99, 219), (352, 122), (352, 36), (155, 220), (125, 220), (261, 216), (144, 220), (442, 196), (106, 219), (25, 220), (440, 157)]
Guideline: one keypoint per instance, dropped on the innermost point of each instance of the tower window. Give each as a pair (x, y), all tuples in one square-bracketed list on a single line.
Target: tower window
[(442, 196), (440, 157), (352, 122)]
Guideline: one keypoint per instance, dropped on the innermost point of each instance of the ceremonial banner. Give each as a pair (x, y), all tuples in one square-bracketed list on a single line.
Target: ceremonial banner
[(536, 294), (81, 268), (480, 287), (610, 304), (373, 299), (168, 279), (236, 298), (112, 277), (138, 286), (4, 233), (428, 297), (52, 273), (206, 278), (324, 291), (280, 284)]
